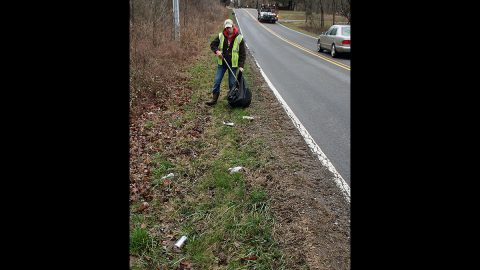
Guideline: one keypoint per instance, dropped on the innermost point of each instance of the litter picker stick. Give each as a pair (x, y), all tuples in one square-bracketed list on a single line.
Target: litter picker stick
[(230, 69)]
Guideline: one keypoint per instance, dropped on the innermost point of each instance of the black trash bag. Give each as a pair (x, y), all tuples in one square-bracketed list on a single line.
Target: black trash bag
[(240, 95)]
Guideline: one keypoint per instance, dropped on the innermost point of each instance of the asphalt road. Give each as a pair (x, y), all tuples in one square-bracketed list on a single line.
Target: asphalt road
[(315, 86)]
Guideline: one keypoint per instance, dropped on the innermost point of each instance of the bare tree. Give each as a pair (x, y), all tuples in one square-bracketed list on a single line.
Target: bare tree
[(319, 8), (185, 12), (153, 53), (308, 11), (154, 22), (322, 17), (345, 9), (286, 3), (334, 10)]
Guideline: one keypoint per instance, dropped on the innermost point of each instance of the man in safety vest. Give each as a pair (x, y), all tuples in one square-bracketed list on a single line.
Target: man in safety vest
[(231, 46)]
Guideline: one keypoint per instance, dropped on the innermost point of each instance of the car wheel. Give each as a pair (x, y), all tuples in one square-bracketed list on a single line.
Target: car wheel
[(319, 47), (333, 52)]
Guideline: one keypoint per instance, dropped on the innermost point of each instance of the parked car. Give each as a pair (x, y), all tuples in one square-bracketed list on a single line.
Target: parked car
[(267, 14), (335, 40)]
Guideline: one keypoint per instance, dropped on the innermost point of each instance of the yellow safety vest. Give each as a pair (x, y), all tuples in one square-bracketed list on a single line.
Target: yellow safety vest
[(235, 50)]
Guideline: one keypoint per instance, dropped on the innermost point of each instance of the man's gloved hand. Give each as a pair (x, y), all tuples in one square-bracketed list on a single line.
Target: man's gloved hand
[(241, 69), (219, 54)]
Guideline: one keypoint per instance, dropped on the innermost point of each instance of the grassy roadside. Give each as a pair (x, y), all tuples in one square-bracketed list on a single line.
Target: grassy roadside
[(302, 27), (291, 15), (298, 26), (226, 219)]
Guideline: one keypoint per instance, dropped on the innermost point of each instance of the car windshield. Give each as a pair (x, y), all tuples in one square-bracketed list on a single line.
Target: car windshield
[(346, 31), (266, 10)]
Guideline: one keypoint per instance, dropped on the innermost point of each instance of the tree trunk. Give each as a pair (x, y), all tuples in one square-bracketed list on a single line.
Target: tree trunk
[(345, 9), (334, 10), (322, 19), (308, 11), (185, 14)]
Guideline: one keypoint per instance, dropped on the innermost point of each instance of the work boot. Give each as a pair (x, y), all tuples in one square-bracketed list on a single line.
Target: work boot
[(214, 99)]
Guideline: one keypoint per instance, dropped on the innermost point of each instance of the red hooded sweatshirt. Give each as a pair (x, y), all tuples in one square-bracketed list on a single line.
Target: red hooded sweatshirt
[(230, 37)]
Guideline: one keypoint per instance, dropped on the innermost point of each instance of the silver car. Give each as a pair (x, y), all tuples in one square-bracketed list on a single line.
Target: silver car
[(336, 40)]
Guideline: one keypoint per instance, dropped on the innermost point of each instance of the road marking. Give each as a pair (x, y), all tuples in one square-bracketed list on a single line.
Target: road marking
[(300, 47), (339, 181)]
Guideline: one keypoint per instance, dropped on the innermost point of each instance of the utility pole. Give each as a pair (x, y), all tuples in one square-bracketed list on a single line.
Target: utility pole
[(176, 18)]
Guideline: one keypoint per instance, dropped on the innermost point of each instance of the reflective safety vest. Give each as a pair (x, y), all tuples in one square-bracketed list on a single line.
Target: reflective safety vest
[(235, 50)]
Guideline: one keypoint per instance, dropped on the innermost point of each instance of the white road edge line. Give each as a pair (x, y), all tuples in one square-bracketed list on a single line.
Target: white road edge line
[(344, 188), (297, 31)]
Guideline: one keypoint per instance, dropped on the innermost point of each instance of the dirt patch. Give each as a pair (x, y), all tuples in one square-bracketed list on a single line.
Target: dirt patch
[(312, 217)]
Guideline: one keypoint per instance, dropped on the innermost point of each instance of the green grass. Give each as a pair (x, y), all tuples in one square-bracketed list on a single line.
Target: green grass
[(139, 241), (304, 28), (291, 15), (232, 220), (237, 226), (162, 166), (149, 125), (258, 197), (221, 213), (298, 26), (300, 15)]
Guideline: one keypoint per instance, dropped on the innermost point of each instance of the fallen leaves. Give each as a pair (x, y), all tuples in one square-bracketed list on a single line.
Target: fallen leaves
[(251, 258), (167, 182), (184, 265), (143, 206), (222, 258)]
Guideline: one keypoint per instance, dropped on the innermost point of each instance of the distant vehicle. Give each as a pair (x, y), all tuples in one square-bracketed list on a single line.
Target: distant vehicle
[(335, 40), (267, 14)]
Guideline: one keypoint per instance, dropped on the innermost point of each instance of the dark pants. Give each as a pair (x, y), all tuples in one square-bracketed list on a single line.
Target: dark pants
[(219, 76)]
